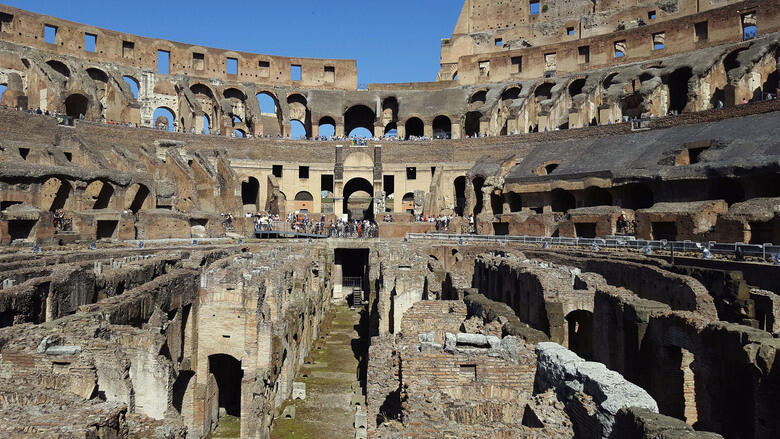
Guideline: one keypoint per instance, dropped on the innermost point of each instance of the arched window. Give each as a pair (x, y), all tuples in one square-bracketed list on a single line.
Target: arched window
[(267, 103), (442, 127), (576, 87), (596, 196), (206, 125), (76, 105), (249, 192), (479, 97), (543, 91), (359, 116), (391, 130), (327, 127), (3, 88), (133, 83), (59, 67), (297, 130), (562, 200), (414, 128), (678, 89), (163, 118)]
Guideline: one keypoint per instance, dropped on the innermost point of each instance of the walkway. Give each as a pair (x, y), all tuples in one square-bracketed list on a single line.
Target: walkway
[(332, 385)]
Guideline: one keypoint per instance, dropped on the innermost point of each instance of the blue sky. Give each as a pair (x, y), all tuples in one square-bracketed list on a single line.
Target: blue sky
[(392, 42)]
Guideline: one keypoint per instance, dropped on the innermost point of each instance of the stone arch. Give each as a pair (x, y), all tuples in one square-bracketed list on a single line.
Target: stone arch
[(414, 127), (576, 86), (234, 93), (164, 118), (478, 97), (547, 168), (609, 80), (304, 201), (133, 84), (596, 196), (329, 123), (562, 200), (55, 194), (135, 197), (359, 116), (442, 127), (59, 67), (97, 74), (359, 184), (98, 194), (632, 105), (76, 105), (297, 109), (543, 91), (511, 93), (389, 110)]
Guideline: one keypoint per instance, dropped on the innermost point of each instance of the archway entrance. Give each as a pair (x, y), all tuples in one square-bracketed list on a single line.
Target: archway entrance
[(76, 105), (227, 374), (358, 199), (249, 191)]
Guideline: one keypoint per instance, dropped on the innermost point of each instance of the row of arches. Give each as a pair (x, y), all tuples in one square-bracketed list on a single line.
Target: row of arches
[(57, 193)]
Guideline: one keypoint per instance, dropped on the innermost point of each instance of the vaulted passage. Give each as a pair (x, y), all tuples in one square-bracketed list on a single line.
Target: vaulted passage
[(228, 374)]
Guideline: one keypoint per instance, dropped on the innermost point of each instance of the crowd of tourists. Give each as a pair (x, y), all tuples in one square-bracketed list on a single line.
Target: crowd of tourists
[(442, 222)]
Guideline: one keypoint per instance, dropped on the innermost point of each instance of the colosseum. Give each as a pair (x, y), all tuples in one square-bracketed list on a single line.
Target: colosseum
[(568, 234)]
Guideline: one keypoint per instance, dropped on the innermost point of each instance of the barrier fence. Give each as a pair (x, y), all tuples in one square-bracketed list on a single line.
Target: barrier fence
[(762, 250)]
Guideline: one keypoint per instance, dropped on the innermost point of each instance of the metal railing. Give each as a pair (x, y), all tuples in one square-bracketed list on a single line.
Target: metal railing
[(351, 282), (713, 247)]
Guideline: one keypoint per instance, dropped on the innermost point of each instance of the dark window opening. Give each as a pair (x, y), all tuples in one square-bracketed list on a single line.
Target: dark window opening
[(388, 184), (468, 372), (128, 48), (106, 229), (585, 230), (583, 54), (651, 15), (6, 22), (249, 191), (276, 170), (694, 154), (562, 200), (550, 168), (326, 183), (264, 67), (433, 171), (296, 72), (232, 66), (665, 230), (701, 31), (460, 195), (515, 201), (501, 229), (517, 64), (69, 156), (90, 42), (596, 196), (163, 62), (303, 172), (198, 61), (761, 232), (499, 42), (228, 375), (50, 34), (20, 229), (478, 183), (569, 31), (330, 74), (580, 332), (678, 89), (6, 204), (411, 173), (24, 152)]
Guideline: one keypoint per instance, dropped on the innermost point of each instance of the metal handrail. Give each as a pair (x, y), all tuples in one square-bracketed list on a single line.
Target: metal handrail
[(612, 242)]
